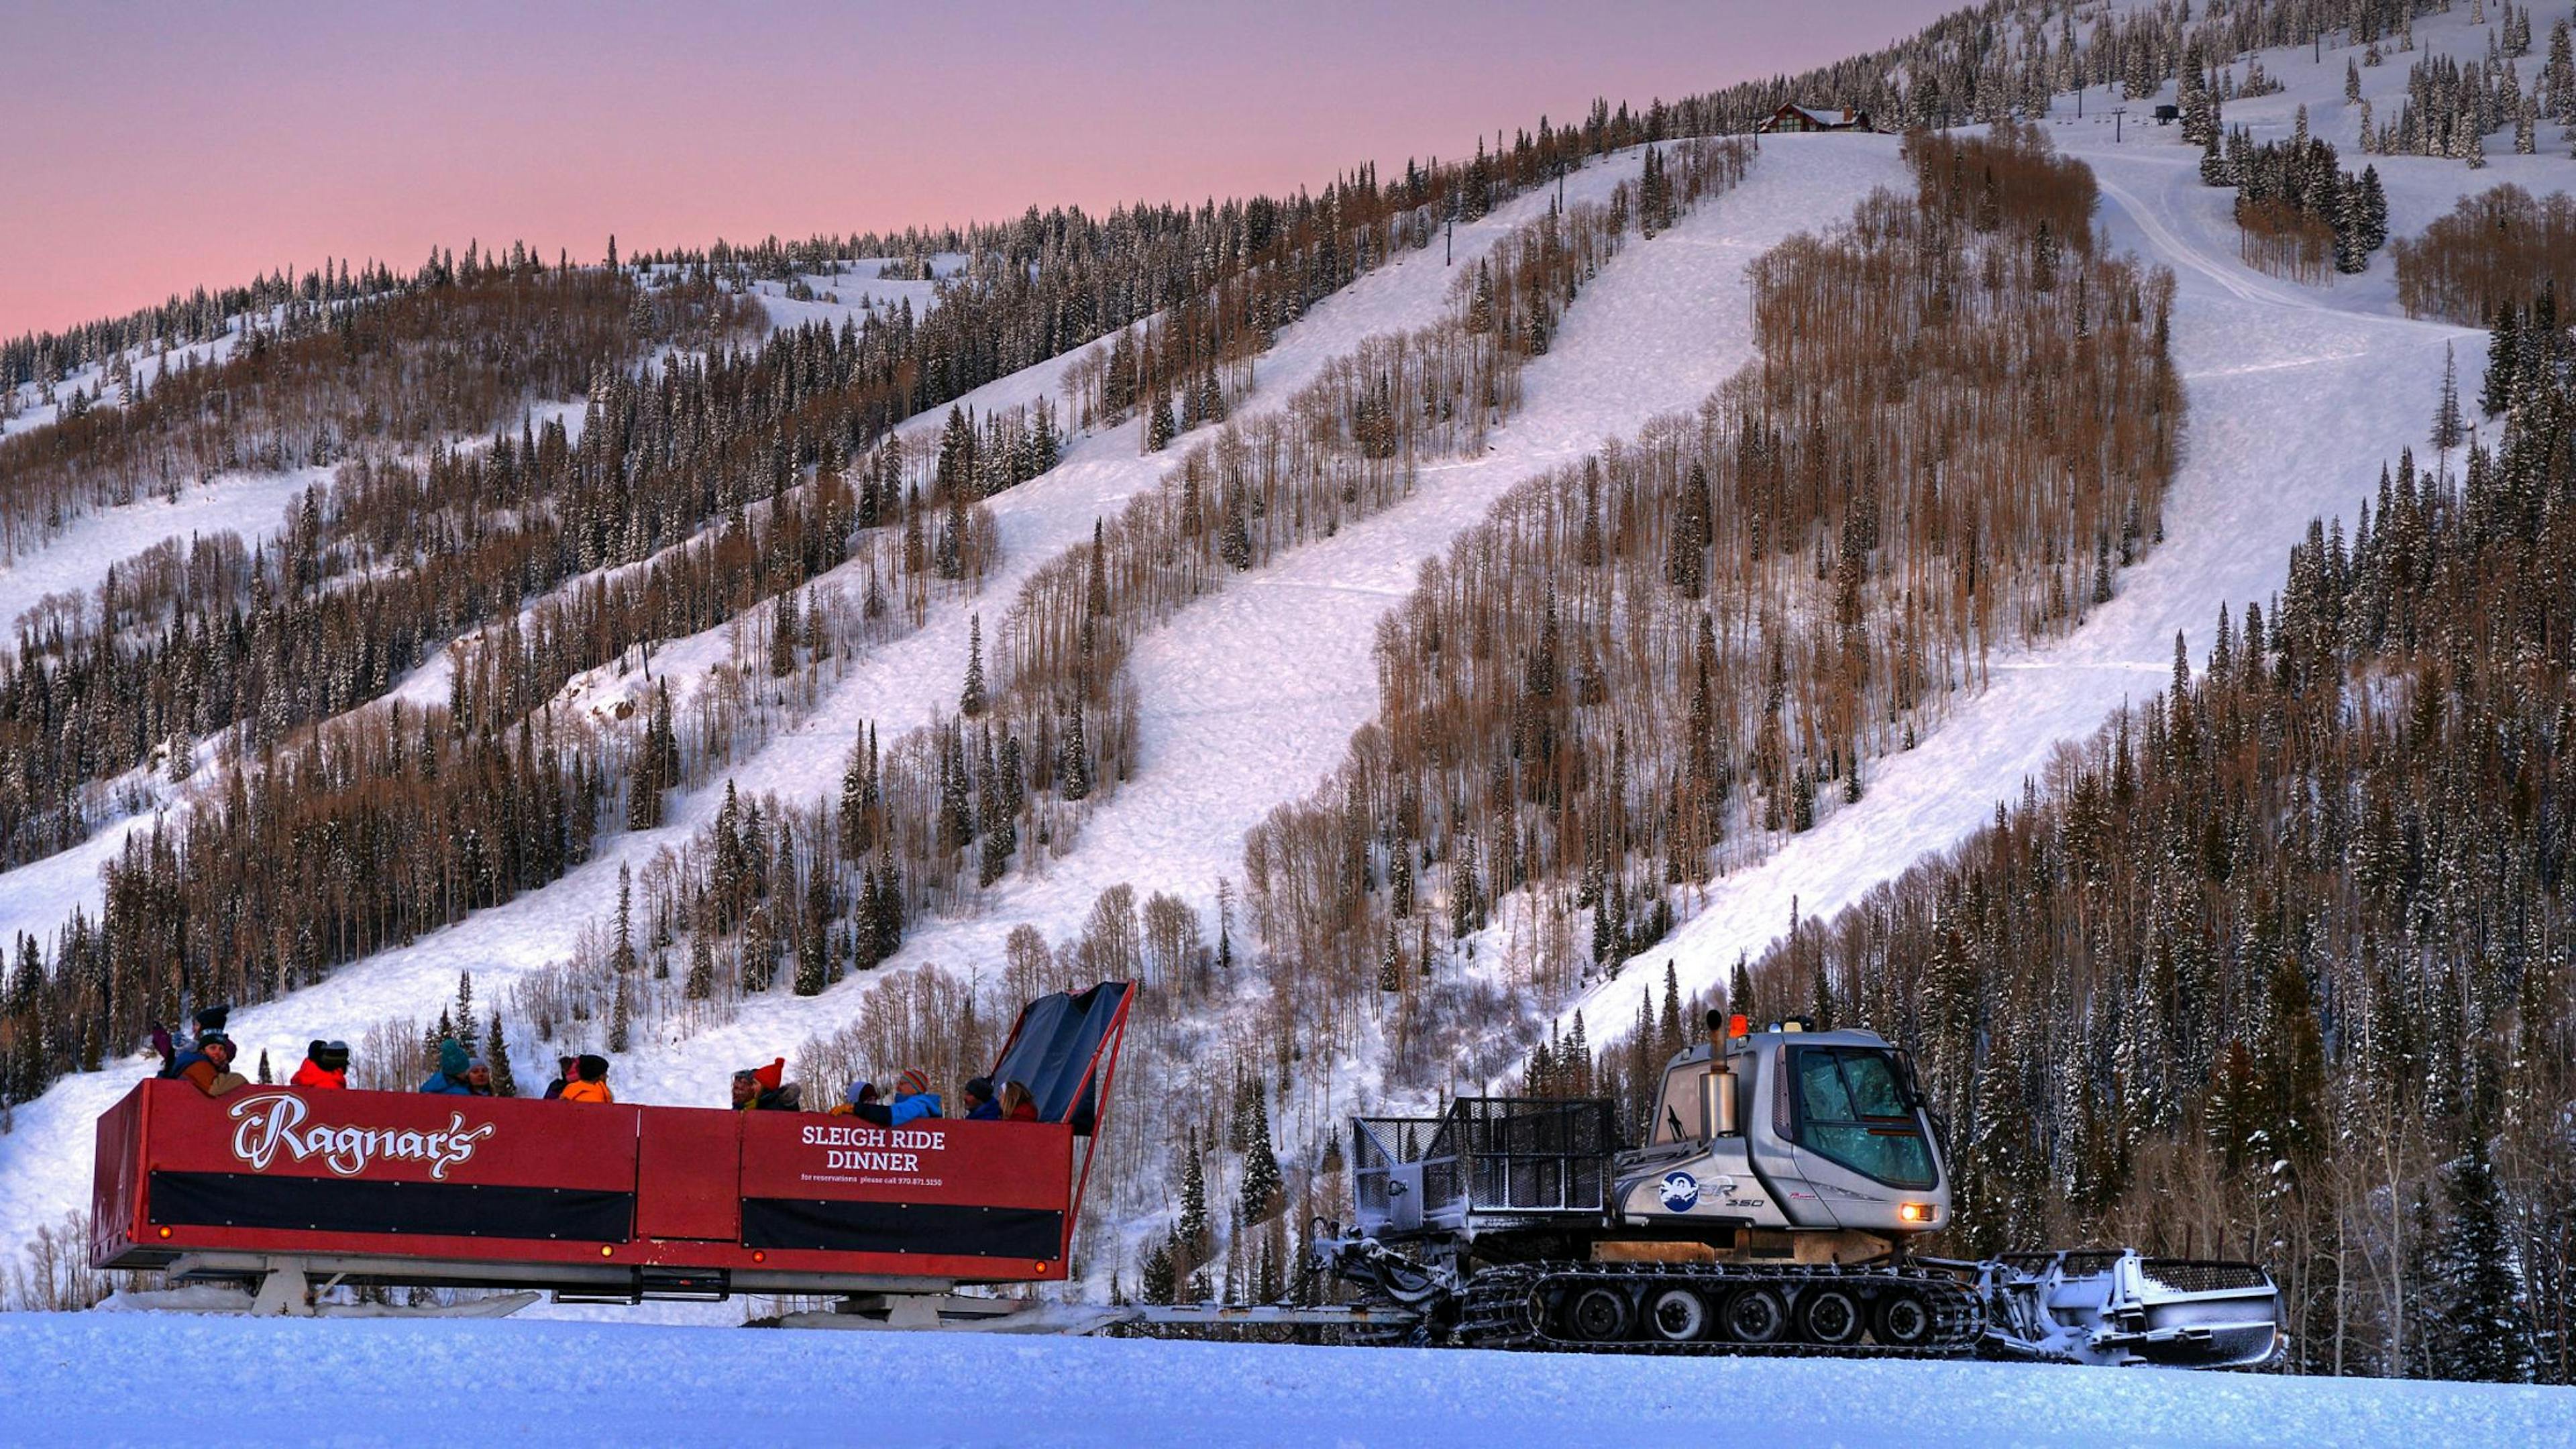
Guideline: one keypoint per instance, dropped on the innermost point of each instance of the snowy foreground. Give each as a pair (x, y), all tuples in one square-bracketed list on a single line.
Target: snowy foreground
[(116, 1379)]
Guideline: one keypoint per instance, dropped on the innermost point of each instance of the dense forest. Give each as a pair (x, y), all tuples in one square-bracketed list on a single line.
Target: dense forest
[(2496, 251), (2451, 107)]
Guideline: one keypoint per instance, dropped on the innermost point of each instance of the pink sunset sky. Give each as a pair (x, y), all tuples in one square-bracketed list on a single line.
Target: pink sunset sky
[(156, 147)]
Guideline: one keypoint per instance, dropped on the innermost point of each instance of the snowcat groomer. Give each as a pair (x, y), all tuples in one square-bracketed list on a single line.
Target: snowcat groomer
[(1768, 1211)]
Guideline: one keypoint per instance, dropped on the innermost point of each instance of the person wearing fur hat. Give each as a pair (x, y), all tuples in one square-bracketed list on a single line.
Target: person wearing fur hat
[(326, 1065), (763, 1089), (449, 1079)]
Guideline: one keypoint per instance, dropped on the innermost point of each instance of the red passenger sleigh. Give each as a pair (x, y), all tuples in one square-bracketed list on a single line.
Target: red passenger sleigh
[(610, 1202)]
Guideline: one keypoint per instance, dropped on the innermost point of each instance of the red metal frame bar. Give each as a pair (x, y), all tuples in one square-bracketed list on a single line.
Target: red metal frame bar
[(1104, 1067)]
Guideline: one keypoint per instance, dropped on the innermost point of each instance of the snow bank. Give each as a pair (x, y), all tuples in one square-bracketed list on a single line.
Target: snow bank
[(99, 1379)]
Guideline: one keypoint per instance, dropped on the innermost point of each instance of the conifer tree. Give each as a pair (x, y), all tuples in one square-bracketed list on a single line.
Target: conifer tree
[(1161, 1280), (496, 1053), (2482, 1326), (1466, 903), (2495, 391), (2449, 429), (619, 1017), (621, 956), (1688, 541), (1160, 426), (1234, 542), (701, 981), (1191, 1229), (1073, 763), (813, 944), (784, 630), (970, 699), (1262, 1186)]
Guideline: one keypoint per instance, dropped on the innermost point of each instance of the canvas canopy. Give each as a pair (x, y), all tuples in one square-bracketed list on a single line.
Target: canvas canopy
[(1054, 1046)]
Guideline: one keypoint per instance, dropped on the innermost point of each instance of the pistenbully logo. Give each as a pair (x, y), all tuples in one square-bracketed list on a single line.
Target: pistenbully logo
[(271, 1120), (1680, 1191)]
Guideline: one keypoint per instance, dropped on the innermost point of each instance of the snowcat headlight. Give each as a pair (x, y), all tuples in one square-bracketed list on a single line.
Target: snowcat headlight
[(1914, 1212)]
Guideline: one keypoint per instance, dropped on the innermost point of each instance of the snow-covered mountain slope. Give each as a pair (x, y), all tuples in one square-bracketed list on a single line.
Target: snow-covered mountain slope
[(75, 560), (43, 1162), (840, 296), (98, 1379), (2298, 394), (30, 413)]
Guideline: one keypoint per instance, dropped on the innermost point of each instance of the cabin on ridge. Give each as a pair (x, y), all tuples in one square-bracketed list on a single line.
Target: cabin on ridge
[(1791, 119)]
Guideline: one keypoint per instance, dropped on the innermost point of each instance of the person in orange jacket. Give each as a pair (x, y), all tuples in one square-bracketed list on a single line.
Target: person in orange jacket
[(326, 1065), (590, 1081)]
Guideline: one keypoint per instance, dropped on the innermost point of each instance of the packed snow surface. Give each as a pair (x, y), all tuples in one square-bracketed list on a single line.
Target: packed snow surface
[(119, 1379)]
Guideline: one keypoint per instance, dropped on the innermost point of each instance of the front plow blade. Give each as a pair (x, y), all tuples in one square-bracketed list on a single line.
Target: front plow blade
[(2118, 1307)]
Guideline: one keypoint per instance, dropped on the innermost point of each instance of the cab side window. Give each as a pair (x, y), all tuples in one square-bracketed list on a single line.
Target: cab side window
[(1852, 1112)]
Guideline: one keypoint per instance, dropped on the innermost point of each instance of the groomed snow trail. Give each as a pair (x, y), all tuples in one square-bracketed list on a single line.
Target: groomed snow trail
[(2298, 394), (112, 1379), (1251, 694)]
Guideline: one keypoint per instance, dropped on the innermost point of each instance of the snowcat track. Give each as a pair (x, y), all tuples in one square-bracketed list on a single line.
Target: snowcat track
[(1499, 1308)]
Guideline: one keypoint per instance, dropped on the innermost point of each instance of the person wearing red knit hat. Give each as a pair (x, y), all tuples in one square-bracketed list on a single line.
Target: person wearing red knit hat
[(765, 1089)]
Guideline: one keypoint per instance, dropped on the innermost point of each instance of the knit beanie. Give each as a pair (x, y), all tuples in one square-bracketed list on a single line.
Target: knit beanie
[(911, 1083), (452, 1058)]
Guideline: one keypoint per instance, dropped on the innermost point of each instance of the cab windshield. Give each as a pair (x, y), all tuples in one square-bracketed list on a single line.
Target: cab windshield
[(1852, 1111)]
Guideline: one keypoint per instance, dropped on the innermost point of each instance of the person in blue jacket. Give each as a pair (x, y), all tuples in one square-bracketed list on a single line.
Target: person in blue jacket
[(980, 1106), (449, 1079), (913, 1100)]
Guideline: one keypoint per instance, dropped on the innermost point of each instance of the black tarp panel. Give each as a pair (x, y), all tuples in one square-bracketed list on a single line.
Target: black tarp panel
[(1051, 1052), (894, 1227), (335, 1205)]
